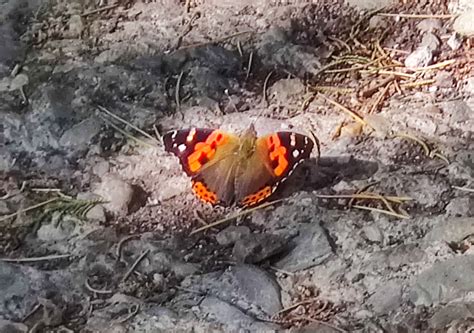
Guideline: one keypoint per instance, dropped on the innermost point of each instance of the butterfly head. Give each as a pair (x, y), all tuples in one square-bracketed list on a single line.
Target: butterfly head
[(247, 141)]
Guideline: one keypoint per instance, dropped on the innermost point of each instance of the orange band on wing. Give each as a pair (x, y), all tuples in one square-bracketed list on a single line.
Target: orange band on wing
[(277, 153), (203, 193), (254, 199), (204, 151)]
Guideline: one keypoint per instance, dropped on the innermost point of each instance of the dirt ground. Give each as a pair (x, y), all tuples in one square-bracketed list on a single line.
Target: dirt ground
[(99, 228)]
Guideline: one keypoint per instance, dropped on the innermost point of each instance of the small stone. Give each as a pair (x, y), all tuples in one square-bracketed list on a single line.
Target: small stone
[(444, 281), (458, 111), (421, 57), (373, 234), (19, 81), (101, 168), (430, 41), (387, 298), (80, 135), (370, 4), (76, 26), (172, 187), (55, 232), (231, 234), (444, 79), (429, 25), (451, 230), (454, 42), (464, 24), (378, 22), (117, 192), (405, 254), (254, 248), (309, 248), (469, 85), (461, 207), (12, 327), (447, 314)]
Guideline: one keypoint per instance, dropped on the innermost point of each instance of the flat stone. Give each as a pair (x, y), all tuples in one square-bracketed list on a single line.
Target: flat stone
[(404, 254), (457, 111), (464, 24), (429, 25), (96, 213), (8, 326), (421, 57), (80, 135), (246, 286), (369, 4), (234, 319), (231, 234), (309, 248), (449, 313), (430, 41), (254, 248), (116, 192), (373, 233), (463, 206), (451, 229), (444, 281), (387, 297)]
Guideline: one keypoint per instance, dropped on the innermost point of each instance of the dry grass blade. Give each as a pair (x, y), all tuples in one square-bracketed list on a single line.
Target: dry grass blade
[(346, 110), (383, 211), (135, 264), (125, 133), (230, 218), (295, 305), (98, 10), (97, 291), (36, 259), (425, 147), (322, 323), (39, 205), (418, 16), (417, 83), (364, 195), (439, 65), (466, 189), (249, 66), (176, 93), (264, 92), (123, 121)]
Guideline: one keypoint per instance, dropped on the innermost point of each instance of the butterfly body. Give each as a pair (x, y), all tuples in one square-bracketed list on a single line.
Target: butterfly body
[(245, 169)]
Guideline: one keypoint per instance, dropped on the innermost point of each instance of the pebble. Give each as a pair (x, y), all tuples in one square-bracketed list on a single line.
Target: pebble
[(76, 26), (429, 25), (80, 135), (430, 41), (117, 192), (370, 4), (8, 326), (231, 234), (254, 248), (444, 281), (96, 213), (464, 24), (449, 313), (387, 297), (373, 233), (309, 248), (462, 206), (421, 57), (454, 42), (451, 229)]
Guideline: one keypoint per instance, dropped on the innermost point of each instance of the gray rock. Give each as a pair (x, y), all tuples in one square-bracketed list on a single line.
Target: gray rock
[(80, 135), (444, 79), (429, 25), (369, 4), (309, 248), (276, 50), (245, 286), (56, 232), (458, 111), (387, 297), (454, 42), (116, 192), (464, 24), (101, 168), (404, 254), (463, 206), (234, 319), (421, 57), (7, 326), (76, 26), (444, 281), (254, 248), (451, 230), (449, 313), (231, 234), (430, 41), (373, 233), (22, 286)]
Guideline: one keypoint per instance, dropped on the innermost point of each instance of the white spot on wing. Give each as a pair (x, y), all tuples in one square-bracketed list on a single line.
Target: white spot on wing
[(293, 139), (191, 135), (296, 153), (182, 147), (173, 135)]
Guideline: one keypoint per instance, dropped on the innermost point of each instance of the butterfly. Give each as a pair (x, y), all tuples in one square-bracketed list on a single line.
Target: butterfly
[(244, 169)]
